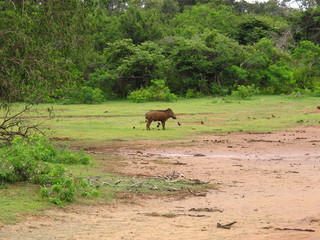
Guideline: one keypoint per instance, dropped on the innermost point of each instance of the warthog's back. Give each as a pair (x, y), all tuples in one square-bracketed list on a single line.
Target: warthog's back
[(157, 115)]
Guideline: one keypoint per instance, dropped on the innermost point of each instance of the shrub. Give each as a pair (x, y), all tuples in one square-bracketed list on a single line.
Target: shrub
[(37, 148), (316, 92), (141, 95), (305, 93), (245, 92), (191, 93), (67, 189), (36, 161), (103, 80), (156, 92), (217, 90), (78, 95), (298, 93)]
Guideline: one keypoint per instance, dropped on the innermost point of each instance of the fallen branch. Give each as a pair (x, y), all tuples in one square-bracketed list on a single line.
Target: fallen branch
[(180, 163), (225, 226), (192, 215), (197, 181), (199, 155), (171, 215), (197, 194), (171, 176), (205, 210), (295, 229)]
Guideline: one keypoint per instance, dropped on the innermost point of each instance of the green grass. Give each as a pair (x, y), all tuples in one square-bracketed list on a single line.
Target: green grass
[(125, 120), (19, 199)]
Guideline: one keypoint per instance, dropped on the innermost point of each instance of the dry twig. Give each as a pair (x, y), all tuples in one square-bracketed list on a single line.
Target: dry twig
[(17, 125), (197, 194), (225, 226), (295, 229)]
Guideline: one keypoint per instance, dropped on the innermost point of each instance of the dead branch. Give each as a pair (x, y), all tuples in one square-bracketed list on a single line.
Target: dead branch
[(205, 210), (180, 163), (225, 226), (197, 194), (295, 229), (134, 185), (171, 176), (16, 124), (192, 215), (171, 215), (197, 181)]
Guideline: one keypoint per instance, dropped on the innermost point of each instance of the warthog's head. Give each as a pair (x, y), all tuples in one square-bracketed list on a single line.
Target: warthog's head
[(171, 113)]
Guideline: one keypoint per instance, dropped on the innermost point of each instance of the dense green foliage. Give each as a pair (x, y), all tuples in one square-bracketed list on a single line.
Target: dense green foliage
[(36, 161), (156, 92), (245, 92), (76, 95), (43, 46), (89, 51)]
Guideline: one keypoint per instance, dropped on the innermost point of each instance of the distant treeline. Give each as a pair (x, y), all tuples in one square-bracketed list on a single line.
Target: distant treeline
[(70, 49)]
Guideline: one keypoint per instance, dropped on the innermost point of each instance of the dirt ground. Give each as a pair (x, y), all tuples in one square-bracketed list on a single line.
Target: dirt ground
[(268, 183)]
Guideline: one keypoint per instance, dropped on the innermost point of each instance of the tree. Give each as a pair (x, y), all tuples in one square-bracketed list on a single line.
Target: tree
[(169, 8), (199, 18), (200, 61), (306, 25), (270, 8), (266, 67), (129, 67), (307, 65), (252, 29), (43, 46), (141, 25), (303, 4)]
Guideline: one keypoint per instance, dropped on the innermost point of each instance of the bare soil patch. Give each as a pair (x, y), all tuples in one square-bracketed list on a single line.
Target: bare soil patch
[(268, 189)]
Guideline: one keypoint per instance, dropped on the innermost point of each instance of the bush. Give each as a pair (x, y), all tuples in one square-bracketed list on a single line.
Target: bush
[(103, 80), (299, 93), (67, 189), (191, 93), (217, 90), (37, 148), (316, 92), (156, 92), (305, 93), (245, 92), (35, 160), (80, 95)]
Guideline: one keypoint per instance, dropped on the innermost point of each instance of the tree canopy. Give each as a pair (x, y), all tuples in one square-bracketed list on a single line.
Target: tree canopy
[(51, 48)]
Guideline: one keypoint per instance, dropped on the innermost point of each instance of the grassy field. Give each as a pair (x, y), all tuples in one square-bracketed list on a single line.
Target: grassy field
[(18, 200), (125, 120)]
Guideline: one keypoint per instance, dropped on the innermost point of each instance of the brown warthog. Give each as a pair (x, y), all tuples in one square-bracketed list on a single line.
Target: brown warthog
[(159, 115)]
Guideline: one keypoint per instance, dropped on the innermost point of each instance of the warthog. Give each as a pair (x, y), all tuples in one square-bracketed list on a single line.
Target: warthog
[(159, 115)]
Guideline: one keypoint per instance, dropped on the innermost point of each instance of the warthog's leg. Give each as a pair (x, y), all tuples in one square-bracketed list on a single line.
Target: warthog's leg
[(148, 124), (163, 124)]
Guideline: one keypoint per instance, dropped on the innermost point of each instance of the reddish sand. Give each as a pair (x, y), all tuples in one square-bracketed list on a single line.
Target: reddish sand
[(266, 183)]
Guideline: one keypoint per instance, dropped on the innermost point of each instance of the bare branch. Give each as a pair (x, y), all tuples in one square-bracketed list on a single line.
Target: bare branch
[(18, 124)]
